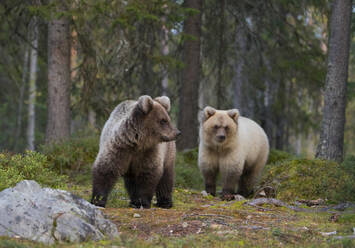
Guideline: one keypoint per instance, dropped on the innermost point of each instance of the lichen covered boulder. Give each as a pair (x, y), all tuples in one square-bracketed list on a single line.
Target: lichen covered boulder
[(50, 215)]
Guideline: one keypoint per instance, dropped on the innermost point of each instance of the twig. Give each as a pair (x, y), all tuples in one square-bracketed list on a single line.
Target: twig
[(278, 203)]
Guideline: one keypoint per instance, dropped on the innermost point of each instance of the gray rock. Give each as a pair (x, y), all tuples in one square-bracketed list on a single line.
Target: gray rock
[(50, 215)]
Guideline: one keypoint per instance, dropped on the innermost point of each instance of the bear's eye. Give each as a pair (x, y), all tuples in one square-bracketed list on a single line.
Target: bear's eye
[(226, 128), (163, 122), (215, 126)]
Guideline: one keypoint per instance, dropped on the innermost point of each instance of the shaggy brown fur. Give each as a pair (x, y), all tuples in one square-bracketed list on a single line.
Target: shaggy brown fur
[(137, 142)]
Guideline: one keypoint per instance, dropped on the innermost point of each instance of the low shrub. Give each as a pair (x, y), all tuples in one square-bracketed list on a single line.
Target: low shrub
[(310, 179), (31, 166), (74, 157), (277, 156)]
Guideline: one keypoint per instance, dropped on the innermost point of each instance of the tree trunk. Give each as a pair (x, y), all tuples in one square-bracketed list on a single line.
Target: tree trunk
[(58, 125), (165, 52), (221, 55), (332, 131), (239, 78), (32, 89), (189, 86), (21, 97)]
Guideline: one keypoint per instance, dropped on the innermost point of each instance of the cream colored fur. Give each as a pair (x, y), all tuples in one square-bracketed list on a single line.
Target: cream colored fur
[(245, 149)]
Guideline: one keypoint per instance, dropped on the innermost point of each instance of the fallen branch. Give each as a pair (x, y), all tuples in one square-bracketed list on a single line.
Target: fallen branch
[(272, 201), (207, 215)]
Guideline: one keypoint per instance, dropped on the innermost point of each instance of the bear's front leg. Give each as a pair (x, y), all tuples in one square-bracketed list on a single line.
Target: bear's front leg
[(141, 189), (210, 176), (103, 182), (230, 179)]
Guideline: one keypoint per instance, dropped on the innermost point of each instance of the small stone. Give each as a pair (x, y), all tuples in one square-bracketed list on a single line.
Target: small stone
[(135, 215), (216, 226), (184, 224), (328, 233), (262, 194), (204, 193), (239, 198)]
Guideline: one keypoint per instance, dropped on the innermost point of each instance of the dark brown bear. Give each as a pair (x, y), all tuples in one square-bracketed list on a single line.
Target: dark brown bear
[(137, 142)]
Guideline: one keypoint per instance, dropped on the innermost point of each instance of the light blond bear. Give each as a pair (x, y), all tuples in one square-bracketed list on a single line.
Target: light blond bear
[(234, 146)]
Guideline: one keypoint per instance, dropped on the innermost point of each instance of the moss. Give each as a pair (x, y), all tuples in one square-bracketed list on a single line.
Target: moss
[(347, 218), (278, 156), (310, 179)]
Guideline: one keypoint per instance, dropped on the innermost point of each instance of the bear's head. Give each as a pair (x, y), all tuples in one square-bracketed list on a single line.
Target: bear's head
[(156, 125), (219, 127)]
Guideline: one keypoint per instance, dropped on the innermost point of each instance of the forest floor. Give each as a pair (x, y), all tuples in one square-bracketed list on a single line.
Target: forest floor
[(206, 221)]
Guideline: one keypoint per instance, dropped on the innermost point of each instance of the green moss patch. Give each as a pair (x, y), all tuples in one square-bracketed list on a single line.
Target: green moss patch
[(310, 179)]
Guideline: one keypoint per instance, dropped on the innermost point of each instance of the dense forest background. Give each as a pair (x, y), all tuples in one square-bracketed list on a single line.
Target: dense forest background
[(266, 58)]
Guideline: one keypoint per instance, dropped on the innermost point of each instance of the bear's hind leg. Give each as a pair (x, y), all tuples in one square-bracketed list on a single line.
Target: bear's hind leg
[(103, 183), (249, 179), (141, 189), (165, 188)]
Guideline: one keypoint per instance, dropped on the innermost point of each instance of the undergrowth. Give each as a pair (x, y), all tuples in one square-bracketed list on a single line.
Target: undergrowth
[(311, 179), (31, 166)]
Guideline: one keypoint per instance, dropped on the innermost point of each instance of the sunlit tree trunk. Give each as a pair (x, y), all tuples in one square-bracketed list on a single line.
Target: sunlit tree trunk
[(332, 131), (189, 86), (58, 124), (32, 88)]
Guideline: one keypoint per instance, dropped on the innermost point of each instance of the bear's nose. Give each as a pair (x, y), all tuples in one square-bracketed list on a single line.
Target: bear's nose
[(221, 138)]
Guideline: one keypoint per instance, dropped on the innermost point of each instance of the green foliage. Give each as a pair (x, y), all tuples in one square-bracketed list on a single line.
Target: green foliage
[(187, 172), (30, 166), (277, 156), (74, 157), (11, 244), (310, 179), (347, 218)]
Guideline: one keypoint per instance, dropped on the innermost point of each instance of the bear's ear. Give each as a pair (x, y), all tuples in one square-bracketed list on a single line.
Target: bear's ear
[(164, 101), (145, 104), (207, 113), (234, 114)]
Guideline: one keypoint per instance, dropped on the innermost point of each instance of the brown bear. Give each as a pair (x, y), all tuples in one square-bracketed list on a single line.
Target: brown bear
[(233, 145), (137, 142)]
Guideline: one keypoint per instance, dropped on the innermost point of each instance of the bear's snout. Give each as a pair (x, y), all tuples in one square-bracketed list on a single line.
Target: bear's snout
[(173, 136), (221, 138)]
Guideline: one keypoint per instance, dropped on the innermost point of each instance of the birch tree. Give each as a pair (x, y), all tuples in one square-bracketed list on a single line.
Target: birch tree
[(32, 88)]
